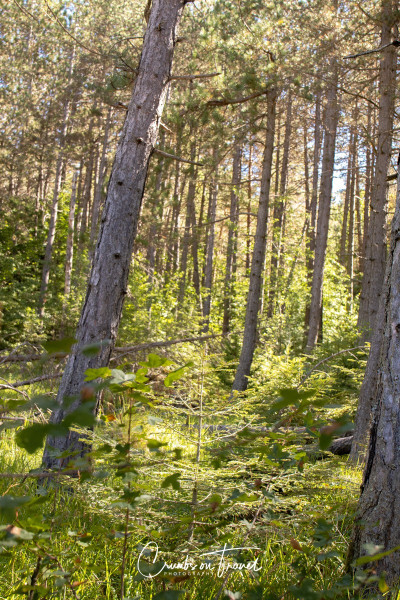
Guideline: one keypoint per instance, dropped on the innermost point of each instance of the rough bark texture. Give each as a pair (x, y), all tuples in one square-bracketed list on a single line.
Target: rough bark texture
[(328, 162), (375, 256), (378, 515), (375, 251), (108, 280), (258, 258)]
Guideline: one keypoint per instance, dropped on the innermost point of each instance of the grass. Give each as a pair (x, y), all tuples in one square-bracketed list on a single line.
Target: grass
[(84, 530)]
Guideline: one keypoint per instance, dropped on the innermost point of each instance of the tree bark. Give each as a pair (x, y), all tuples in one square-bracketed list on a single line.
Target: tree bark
[(230, 252), (279, 208), (108, 280), (208, 267), (54, 212), (100, 182), (378, 514), (312, 210), (328, 163), (258, 258), (70, 238), (375, 252)]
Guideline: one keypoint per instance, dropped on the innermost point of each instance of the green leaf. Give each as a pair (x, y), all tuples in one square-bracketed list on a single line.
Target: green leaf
[(9, 504), (119, 377), (177, 374), (83, 415), (31, 438), (172, 480), (363, 560), (102, 372), (59, 346), (154, 361), (155, 444)]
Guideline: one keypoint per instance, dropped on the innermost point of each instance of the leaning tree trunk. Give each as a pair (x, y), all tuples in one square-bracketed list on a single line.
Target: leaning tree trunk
[(375, 250), (258, 259), (378, 514), (328, 163), (108, 280)]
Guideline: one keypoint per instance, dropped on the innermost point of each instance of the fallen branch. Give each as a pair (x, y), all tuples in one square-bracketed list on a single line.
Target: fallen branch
[(132, 349), (117, 351)]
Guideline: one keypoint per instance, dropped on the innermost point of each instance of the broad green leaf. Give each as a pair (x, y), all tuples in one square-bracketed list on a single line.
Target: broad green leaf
[(102, 372), (31, 438), (363, 560), (173, 481), (177, 374), (154, 361)]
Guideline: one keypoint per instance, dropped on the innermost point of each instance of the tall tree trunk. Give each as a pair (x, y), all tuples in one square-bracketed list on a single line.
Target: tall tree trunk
[(70, 237), (368, 398), (107, 287), (375, 254), (279, 208), (258, 258), (248, 220), (188, 222), (369, 168), (208, 267), (312, 213), (346, 207), (54, 212), (328, 163), (378, 514), (232, 230), (100, 182)]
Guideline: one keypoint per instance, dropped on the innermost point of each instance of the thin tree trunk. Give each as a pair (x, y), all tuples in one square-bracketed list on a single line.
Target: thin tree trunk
[(248, 221), (54, 212), (107, 288), (328, 163), (279, 208), (70, 238), (258, 258), (208, 268), (346, 207), (232, 230), (311, 229), (375, 254)]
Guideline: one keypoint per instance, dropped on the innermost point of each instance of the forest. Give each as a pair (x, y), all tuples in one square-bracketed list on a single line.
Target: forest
[(199, 300)]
